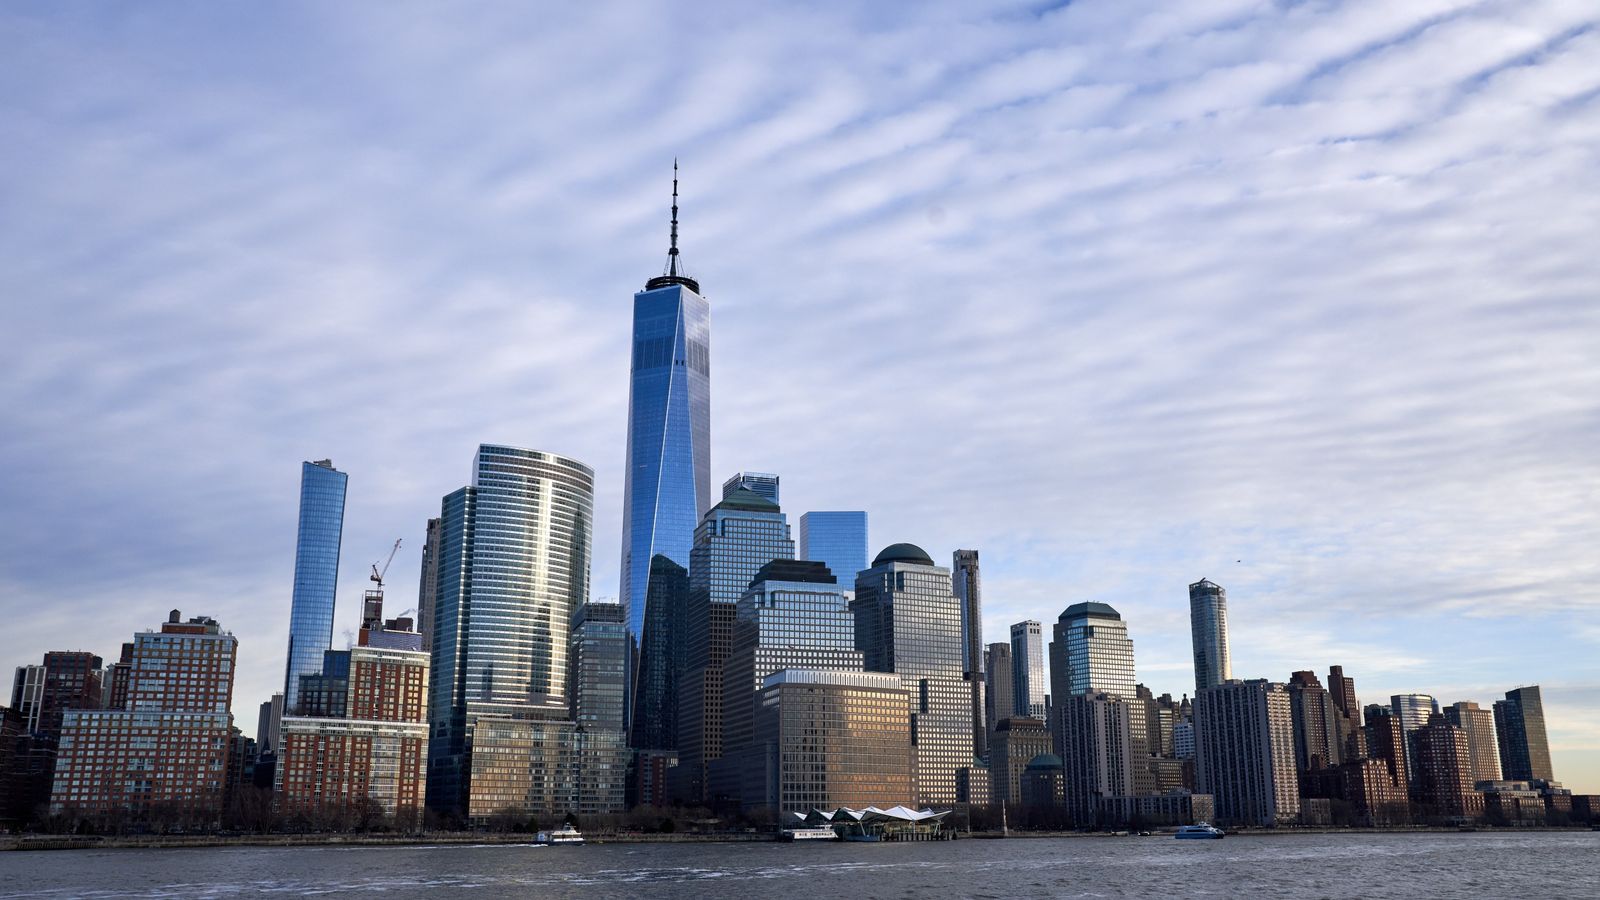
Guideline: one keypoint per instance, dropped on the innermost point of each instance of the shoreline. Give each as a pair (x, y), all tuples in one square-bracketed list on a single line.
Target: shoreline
[(471, 839)]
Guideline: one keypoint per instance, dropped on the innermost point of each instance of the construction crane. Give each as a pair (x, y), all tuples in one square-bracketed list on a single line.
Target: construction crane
[(377, 574)]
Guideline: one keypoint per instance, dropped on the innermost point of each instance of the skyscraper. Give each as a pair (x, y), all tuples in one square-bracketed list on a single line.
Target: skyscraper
[(837, 538), (1316, 730), (735, 539), (316, 573), (1027, 669), (763, 483), (1483, 747), (661, 657), (1091, 653), (428, 588), (908, 622), (1413, 711), (1208, 623), (1444, 772), (999, 694), (1524, 749), (1244, 740), (513, 569), (969, 592), (1101, 758), (599, 652), (1342, 689), (667, 485)]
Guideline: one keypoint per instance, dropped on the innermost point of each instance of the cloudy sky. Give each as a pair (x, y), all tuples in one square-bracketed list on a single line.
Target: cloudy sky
[(1303, 297)]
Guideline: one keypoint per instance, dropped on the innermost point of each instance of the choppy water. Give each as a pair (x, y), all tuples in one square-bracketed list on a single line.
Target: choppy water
[(1477, 865)]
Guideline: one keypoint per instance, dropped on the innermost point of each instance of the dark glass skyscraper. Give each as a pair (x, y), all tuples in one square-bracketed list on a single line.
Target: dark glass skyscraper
[(316, 573), (1524, 748), (667, 486), (1208, 623), (838, 539)]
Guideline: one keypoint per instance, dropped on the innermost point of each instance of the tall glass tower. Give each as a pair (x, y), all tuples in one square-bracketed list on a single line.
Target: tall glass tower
[(513, 569), (837, 538), (316, 573), (1208, 624), (667, 485), (1027, 669), (1091, 654)]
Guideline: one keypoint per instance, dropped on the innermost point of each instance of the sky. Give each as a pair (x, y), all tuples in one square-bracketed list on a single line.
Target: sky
[(1301, 297)]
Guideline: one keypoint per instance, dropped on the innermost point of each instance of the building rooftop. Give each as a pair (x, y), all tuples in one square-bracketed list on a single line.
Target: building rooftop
[(1089, 609), (797, 570), (746, 500), (1046, 761), (903, 553)]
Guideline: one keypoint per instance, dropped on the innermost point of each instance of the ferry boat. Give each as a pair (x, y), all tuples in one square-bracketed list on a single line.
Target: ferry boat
[(1204, 831), (825, 833), (566, 834)]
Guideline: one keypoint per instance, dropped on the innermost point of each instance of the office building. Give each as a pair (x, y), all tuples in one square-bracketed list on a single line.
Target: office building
[(908, 622), (598, 659), (1208, 624), (1091, 653), (738, 536), (167, 753), (667, 481), (1043, 781), (1519, 723), (1244, 740), (831, 739), (364, 758), (1316, 729), (1413, 711), (513, 570), (1027, 670), (837, 539), (316, 572), (999, 696), (1015, 743), (1445, 786), (428, 588), (762, 484), (1482, 744), (661, 659), (965, 581)]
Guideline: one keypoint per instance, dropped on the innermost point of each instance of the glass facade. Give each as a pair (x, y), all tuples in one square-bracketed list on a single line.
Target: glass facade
[(838, 539), (1524, 748), (655, 700), (764, 484), (1027, 669), (599, 648), (908, 621), (1091, 653), (514, 554), (1208, 624), (316, 572), (667, 486), (1000, 694)]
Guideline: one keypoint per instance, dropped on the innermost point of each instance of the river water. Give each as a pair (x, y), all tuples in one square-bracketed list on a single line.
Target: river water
[(1477, 865)]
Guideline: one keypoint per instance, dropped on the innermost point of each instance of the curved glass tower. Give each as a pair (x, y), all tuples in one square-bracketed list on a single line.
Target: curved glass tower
[(316, 573), (1208, 622), (667, 485)]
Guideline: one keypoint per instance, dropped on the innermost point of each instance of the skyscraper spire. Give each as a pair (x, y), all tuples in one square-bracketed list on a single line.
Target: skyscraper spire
[(674, 272)]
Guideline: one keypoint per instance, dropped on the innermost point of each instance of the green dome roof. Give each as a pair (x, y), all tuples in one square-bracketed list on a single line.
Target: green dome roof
[(747, 500), (904, 553), (1046, 761)]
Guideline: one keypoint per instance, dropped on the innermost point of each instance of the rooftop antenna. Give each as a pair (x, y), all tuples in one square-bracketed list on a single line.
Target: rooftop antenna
[(674, 272)]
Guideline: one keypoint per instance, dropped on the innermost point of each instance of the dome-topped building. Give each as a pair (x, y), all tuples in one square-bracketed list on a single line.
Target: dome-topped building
[(902, 553)]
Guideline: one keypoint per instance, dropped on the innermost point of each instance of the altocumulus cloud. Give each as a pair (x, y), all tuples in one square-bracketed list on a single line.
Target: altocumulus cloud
[(1296, 296)]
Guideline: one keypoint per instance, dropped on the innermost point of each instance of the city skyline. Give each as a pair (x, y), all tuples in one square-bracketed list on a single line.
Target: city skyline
[(1369, 427)]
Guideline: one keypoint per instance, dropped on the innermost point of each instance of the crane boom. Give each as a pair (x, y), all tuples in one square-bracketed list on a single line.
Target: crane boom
[(377, 574)]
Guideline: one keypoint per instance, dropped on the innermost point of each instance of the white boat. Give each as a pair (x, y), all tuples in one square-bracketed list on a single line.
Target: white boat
[(824, 833), (1202, 832), (566, 834)]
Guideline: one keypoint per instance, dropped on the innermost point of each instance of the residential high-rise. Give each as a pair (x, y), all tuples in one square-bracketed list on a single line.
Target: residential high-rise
[(738, 536), (1445, 787), (837, 538), (1027, 670), (1482, 745), (68, 679), (1316, 731), (1386, 742), (1208, 624), (908, 621), (764, 484), (661, 659), (1342, 690), (597, 659), (1524, 749), (116, 680), (1101, 758), (1091, 653), (1244, 738), (1413, 711), (316, 573), (968, 586), (999, 701), (513, 569), (169, 749), (428, 588), (667, 481)]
